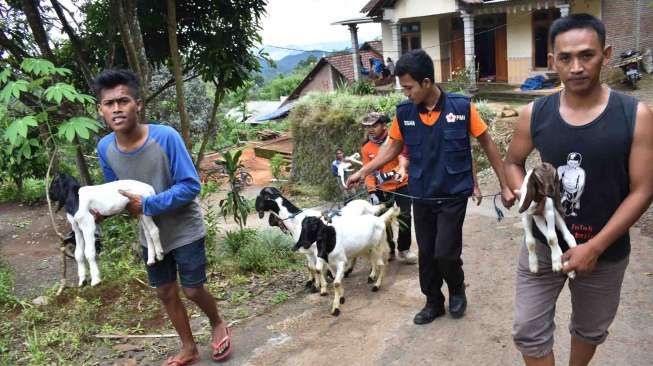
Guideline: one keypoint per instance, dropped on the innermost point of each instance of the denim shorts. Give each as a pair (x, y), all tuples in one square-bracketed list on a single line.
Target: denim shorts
[(189, 260)]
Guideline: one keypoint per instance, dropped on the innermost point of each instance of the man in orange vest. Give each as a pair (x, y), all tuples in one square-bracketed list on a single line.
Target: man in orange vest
[(389, 183)]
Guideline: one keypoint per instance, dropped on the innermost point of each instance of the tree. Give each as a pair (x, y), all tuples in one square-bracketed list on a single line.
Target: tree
[(23, 146)]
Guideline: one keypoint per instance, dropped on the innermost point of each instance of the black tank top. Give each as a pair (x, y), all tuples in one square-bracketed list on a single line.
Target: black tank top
[(592, 163)]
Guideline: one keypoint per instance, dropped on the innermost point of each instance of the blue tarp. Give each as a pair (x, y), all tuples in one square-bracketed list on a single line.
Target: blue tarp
[(279, 113), (536, 82)]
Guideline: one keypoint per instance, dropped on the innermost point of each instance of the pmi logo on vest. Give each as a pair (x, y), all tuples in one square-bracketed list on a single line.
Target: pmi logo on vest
[(451, 118)]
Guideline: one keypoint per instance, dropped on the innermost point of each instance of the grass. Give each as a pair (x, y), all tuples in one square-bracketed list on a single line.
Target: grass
[(242, 269), (33, 191)]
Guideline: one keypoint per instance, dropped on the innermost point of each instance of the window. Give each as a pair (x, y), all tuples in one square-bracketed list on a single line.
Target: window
[(411, 37)]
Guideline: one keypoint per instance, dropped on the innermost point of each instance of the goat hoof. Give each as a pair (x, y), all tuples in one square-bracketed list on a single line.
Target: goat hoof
[(370, 280), (309, 284), (95, 283), (82, 283), (323, 293), (335, 312), (151, 262), (375, 288), (342, 300)]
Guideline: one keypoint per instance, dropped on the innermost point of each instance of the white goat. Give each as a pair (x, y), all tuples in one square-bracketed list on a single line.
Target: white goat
[(540, 202), (343, 240), (107, 201), (345, 166), (289, 219)]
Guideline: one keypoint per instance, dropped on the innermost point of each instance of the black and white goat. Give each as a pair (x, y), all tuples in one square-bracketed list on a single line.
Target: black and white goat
[(345, 239), (289, 217), (106, 200), (540, 202)]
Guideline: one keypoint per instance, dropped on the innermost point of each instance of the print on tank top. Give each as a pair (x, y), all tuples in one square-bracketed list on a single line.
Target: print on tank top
[(572, 182)]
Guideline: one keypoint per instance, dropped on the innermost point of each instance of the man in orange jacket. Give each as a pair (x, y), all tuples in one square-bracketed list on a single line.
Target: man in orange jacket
[(384, 183)]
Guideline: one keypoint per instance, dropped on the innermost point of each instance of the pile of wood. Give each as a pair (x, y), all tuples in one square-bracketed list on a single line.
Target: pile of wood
[(264, 135)]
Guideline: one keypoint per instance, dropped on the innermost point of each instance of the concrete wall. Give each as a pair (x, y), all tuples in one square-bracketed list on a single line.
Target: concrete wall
[(323, 81), (430, 35), (388, 45), (420, 8), (520, 46)]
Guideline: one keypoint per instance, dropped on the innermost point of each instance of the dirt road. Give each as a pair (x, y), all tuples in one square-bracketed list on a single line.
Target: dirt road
[(377, 328)]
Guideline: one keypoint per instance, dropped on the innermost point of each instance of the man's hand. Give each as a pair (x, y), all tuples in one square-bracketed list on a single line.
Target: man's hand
[(477, 195), (507, 197), (354, 179), (401, 174), (135, 205), (581, 258)]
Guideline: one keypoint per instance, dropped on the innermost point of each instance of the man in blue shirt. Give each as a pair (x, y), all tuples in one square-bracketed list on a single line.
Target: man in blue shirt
[(156, 154)]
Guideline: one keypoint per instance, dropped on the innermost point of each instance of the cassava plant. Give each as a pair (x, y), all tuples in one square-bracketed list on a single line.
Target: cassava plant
[(234, 204)]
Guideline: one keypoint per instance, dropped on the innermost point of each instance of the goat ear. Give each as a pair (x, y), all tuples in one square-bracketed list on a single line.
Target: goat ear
[(530, 194), (557, 201)]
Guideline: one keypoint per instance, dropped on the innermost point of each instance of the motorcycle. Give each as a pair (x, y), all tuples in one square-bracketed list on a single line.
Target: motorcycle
[(630, 66)]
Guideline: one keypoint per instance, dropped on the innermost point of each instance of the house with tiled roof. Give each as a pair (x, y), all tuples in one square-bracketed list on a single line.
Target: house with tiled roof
[(335, 70), (502, 40)]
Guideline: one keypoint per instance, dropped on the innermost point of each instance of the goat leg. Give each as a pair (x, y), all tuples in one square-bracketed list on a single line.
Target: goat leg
[(79, 255), (529, 239), (338, 290), (567, 236)]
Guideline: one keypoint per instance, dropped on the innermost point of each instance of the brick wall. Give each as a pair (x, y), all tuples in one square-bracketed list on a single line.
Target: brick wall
[(625, 22)]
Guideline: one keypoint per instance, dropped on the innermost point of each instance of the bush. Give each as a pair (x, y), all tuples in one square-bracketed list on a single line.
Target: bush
[(276, 165), (259, 252), (487, 114), (7, 296), (234, 240), (33, 191), (362, 87), (322, 122)]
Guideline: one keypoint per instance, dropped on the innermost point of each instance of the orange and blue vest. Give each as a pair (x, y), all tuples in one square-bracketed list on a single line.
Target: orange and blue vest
[(440, 155)]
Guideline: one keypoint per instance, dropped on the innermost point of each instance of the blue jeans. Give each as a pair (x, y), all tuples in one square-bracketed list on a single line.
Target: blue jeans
[(189, 260)]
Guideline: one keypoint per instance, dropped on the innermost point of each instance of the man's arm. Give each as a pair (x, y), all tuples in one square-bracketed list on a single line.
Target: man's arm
[(640, 171), (492, 152), (109, 174), (186, 184), (520, 147), (389, 150)]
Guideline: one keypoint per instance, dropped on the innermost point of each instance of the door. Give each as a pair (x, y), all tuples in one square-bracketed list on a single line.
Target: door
[(457, 50), (501, 54)]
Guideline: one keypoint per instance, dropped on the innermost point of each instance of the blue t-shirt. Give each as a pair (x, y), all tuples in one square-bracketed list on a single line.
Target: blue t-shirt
[(164, 163)]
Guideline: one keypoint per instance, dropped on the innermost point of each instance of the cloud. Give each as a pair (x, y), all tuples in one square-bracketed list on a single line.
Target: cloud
[(308, 22)]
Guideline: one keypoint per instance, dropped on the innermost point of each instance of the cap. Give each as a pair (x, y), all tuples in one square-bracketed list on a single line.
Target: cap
[(374, 117)]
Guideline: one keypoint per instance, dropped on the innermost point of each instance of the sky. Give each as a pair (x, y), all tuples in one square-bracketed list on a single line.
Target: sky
[(306, 24)]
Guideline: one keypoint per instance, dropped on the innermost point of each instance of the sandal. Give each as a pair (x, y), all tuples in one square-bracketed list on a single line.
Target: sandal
[(222, 349), (176, 361)]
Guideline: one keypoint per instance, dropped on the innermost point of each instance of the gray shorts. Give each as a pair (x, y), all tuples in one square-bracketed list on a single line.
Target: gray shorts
[(594, 302)]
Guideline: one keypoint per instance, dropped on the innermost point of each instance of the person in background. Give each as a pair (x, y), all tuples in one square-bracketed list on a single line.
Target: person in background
[(384, 184)]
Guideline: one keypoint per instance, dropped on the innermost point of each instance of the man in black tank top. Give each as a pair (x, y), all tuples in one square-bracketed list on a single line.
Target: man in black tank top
[(601, 143)]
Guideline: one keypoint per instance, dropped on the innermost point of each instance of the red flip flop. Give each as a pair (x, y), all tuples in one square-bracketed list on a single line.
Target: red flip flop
[(176, 361), (222, 349)]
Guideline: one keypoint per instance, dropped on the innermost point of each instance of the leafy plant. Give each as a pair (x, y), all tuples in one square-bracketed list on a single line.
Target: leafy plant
[(234, 204), (234, 240), (35, 110), (485, 111), (277, 164), (362, 87)]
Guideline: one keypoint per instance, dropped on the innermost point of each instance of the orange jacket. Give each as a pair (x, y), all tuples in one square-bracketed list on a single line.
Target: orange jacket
[(368, 152)]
